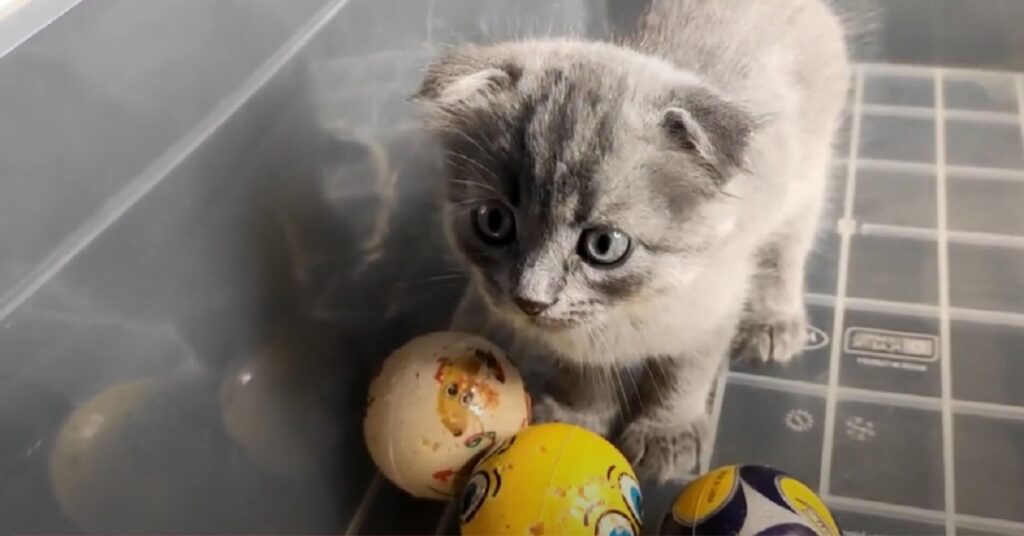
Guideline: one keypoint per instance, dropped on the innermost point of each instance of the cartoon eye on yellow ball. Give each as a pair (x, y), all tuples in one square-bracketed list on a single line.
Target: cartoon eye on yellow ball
[(552, 479)]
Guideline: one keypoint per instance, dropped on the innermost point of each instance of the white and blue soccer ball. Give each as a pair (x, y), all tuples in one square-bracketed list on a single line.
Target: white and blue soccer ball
[(748, 500)]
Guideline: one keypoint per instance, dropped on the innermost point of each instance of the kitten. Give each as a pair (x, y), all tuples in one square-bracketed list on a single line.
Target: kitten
[(634, 210)]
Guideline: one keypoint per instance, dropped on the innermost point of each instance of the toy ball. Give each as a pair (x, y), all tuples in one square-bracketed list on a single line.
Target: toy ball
[(270, 406), (439, 403), (138, 458), (748, 500), (552, 479)]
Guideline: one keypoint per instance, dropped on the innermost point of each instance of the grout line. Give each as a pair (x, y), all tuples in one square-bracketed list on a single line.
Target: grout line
[(890, 110), (1019, 86), (777, 384), (975, 116), (909, 513), (825, 300), (921, 515), (907, 69), (897, 231), (887, 398), (148, 179), (844, 266), (856, 394), (880, 164), (960, 172), (957, 237), (916, 112), (980, 316), (893, 307), (985, 239), (990, 525), (984, 173), (886, 307), (945, 357), (716, 416), (988, 409)]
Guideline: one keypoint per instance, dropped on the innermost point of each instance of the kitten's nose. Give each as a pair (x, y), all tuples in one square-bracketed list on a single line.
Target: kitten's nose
[(531, 307)]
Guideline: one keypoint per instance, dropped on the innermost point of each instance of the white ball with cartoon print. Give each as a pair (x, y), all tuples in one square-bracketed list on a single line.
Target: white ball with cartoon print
[(438, 403)]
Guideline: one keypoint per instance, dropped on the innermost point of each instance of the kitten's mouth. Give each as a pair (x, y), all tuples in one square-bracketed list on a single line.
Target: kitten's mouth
[(553, 323)]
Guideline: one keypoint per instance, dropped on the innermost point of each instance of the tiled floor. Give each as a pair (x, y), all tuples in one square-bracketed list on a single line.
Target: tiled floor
[(906, 412), (911, 394)]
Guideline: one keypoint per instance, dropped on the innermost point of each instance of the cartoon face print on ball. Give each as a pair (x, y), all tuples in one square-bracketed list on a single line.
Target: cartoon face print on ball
[(552, 479), (465, 391)]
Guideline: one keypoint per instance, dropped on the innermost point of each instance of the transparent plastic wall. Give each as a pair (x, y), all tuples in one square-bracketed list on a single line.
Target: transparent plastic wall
[(217, 217)]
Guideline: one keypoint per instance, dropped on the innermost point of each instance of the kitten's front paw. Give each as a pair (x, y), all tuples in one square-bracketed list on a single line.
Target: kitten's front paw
[(775, 337), (664, 452), (547, 409)]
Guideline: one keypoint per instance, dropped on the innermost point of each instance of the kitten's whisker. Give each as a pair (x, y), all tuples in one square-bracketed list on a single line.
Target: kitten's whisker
[(598, 337), (655, 386), (469, 202), (622, 390), (494, 195), (636, 388), (605, 371), (606, 382), (444, 277), (475, 163), (473, 141), (466, 171), (482, 185)]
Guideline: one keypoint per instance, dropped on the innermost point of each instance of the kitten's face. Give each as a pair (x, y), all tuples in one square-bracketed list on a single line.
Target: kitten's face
[(580, 184)]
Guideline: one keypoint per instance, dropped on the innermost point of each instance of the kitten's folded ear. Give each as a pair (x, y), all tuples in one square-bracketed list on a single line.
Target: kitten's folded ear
[(464, 75), (711, 127)]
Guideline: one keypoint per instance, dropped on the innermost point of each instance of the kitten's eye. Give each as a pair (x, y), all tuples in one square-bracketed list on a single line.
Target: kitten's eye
[(604, 247), (494, 223)]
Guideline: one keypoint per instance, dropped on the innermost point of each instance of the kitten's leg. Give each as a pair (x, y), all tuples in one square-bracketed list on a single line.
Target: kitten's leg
[(774, 323), (663, 440), (579, 395)]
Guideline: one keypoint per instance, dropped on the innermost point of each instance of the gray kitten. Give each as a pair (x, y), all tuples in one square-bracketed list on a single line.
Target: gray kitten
[(635, 210)]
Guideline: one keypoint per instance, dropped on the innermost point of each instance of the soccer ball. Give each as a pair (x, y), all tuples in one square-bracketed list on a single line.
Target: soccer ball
[(748, 500)]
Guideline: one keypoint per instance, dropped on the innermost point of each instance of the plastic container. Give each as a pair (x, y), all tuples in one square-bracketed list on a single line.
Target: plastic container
[(219, 205)]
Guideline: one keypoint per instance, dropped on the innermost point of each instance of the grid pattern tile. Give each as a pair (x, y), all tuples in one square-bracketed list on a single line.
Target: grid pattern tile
[(921, 346)]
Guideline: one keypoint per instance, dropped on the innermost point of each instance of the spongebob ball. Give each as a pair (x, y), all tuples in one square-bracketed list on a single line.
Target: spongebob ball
[(438, 404), (552, 479), (748, 500)]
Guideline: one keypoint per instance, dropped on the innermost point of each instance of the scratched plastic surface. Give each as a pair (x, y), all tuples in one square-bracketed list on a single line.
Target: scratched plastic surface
[(215, 220)]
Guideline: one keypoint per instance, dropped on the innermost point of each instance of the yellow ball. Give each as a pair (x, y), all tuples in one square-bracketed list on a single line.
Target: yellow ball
[(139, 457), (438, 404), (552, 479), (272, 414)]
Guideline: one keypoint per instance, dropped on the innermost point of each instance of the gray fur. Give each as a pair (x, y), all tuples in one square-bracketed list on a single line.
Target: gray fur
[(705, 136)]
